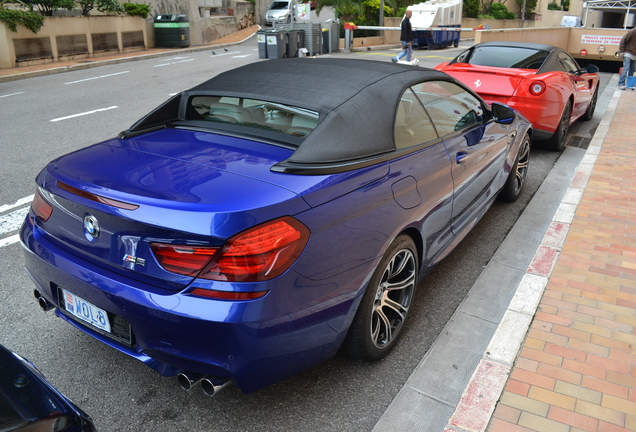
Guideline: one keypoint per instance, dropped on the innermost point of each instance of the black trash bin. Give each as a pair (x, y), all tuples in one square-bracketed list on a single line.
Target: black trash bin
[(172, 31), (276, 44), (292, 43), (261, 38), (326, 43)]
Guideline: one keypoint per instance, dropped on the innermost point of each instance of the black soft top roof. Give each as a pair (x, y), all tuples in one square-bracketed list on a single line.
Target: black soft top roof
[(356, 101)]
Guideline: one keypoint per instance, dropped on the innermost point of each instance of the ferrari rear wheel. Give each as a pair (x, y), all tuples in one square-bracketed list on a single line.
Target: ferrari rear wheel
[(518, 173), (557, 142), (385, 305), (590, 109)]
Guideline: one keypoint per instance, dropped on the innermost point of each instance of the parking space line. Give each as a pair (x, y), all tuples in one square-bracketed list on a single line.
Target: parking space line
[(83, 114)]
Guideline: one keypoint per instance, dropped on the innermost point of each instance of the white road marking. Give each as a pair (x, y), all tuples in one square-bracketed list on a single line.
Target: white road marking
[(97, 77), (243, 56), (83, 114), (173, 63), (225, 53), (12, 221), (18, 203), (9, 240), (11, 94)]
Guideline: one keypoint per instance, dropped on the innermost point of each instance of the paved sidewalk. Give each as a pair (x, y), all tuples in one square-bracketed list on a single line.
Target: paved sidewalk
[(576, 368)]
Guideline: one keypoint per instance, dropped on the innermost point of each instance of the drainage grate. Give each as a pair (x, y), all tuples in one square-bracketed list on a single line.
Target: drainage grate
[(580, 142)]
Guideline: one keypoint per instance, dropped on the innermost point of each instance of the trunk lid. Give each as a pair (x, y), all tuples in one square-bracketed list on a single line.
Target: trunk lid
[(486, 80)]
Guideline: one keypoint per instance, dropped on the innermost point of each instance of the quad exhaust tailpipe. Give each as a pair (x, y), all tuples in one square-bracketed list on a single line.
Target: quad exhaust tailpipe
[(210, 385), (187, 380), (44, 303)]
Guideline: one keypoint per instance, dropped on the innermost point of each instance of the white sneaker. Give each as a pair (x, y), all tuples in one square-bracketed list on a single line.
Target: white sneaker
[(621, 87)]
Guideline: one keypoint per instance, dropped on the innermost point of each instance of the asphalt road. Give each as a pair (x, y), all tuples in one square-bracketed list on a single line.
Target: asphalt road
[(49, 116)]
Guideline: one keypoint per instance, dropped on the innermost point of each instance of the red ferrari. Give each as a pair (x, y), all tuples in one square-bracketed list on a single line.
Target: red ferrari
[(543, 82)]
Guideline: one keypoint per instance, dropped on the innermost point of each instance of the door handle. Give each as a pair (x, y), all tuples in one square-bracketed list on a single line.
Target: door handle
[(460, 157)]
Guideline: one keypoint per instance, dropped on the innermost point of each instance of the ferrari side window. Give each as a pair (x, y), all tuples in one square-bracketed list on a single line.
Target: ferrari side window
[(413, 126), (569, 64), (462, 58), (451, 107)]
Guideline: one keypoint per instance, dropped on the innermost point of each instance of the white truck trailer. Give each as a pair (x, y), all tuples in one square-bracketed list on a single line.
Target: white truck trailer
[(436, 14)]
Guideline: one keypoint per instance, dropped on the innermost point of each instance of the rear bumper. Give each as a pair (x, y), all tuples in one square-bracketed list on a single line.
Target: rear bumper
[(297, 325), (544, 116)]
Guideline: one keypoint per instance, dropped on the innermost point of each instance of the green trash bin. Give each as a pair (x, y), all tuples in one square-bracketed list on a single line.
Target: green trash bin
[(261, 38), (172, 31), (276, 44)]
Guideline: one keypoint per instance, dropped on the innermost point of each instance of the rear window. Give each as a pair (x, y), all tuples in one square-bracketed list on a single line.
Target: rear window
[(507, 57), (254, 114)]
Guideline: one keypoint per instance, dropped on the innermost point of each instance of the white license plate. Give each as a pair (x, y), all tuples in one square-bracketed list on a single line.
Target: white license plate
[(86, 311)]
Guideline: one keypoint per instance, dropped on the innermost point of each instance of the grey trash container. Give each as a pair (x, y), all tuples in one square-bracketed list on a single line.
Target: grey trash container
[(276, 44), (172, 31), (292, 43), (261, 37)]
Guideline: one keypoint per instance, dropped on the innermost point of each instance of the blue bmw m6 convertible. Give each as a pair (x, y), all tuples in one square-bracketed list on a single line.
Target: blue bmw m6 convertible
[(250, 228)]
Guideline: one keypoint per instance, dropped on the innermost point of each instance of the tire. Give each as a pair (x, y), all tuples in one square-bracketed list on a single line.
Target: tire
[(557, 142), (380, 318), (590, 109), (517, 177)]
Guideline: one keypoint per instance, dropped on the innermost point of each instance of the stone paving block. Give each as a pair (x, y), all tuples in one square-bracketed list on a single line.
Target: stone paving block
[(602, 413), (524, 403), (538, 423), (552, 398), (578, 391), (573, 419)]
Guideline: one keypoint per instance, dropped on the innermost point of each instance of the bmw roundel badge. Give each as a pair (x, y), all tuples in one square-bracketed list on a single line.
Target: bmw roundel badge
[(91, 227)]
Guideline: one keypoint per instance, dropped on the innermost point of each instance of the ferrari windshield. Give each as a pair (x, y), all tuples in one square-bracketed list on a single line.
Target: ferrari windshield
[(507, 57)]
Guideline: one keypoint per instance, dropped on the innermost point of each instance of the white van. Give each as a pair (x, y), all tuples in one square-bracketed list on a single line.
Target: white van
[(571, 21)]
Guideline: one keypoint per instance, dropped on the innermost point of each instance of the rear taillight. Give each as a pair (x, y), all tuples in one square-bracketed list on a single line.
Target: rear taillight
[(185, 260), (41, 207), (537, 87), (257, 254)]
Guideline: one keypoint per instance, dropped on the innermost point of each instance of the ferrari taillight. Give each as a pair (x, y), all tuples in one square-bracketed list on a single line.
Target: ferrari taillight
[(537, 87), (41, 207), (260, 253)]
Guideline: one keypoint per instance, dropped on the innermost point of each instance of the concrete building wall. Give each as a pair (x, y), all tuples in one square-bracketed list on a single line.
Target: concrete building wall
[(60, 35)]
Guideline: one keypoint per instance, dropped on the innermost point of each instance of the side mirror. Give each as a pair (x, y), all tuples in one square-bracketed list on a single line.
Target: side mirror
[(502, 113), (591, 68)]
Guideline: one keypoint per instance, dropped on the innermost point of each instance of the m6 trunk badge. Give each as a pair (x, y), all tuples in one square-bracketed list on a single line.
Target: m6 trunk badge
[(91, 227), (132, 259)]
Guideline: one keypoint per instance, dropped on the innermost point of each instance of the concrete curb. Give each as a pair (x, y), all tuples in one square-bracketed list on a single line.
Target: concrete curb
[(98, 63), (480, 397)]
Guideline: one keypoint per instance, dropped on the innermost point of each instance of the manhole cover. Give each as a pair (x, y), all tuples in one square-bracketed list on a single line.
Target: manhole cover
[(580, 142)]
